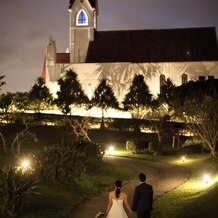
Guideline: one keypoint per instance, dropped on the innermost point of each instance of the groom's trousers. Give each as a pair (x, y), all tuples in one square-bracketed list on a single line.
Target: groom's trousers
[(144, 215)]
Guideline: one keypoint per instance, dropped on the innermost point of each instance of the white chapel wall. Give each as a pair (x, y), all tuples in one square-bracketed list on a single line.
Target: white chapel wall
[(120, 75)]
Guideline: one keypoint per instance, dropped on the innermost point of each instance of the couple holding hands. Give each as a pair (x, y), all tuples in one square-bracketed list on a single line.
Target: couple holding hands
[(141, 203)]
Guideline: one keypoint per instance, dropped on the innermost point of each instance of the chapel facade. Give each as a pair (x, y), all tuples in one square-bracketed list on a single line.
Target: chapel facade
[(179, 54)]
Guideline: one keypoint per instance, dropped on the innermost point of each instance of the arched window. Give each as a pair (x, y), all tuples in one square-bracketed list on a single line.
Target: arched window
[(162, 81), (184, 78), (82, 18)]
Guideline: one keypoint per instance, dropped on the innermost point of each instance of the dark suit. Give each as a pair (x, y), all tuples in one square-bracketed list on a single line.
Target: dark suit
[(143, 200)]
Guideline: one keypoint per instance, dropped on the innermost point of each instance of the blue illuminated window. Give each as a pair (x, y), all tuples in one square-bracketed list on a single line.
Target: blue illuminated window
[(82, 18)]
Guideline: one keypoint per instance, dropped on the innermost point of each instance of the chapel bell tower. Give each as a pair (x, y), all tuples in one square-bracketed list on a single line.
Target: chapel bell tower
[(82, 24)]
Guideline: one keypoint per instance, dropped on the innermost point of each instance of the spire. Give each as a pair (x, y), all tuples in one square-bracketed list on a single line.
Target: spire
[(50, 39), (51, 42), (51, 50), (93, 3)]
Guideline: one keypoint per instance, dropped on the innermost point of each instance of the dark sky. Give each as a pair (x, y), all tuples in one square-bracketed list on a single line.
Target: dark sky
[(25, 26)]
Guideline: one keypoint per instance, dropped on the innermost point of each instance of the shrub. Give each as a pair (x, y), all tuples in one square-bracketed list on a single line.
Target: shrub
[(15, 186), (193, 145), (130, 146), (137, 146), (60, 162), (151, 147), (155, 147), (141, 146)]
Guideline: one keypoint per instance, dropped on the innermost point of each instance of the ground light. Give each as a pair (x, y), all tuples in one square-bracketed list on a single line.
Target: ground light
[(183, 158), (111, 149), (200, 183), (206, 178), (25, 165)]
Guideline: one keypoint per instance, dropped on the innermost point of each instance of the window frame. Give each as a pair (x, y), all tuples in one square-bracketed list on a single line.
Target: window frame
[(85, 18)]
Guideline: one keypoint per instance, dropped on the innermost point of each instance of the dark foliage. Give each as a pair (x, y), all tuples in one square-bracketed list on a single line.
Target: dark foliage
[(66, 162), (40, 93), (104, 96), (195, 90), (71, 92), (167, 93), (139, 97), (15, 186)]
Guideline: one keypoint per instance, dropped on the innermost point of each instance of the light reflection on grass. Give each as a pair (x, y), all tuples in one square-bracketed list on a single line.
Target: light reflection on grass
[(172, 204)]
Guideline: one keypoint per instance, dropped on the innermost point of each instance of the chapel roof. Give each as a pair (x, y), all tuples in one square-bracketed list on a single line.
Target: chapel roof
[(62, 58), (163, 45)]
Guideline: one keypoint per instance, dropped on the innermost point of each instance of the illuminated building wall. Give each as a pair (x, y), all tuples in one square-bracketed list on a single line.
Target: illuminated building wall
[(120, 75), (178, 54)]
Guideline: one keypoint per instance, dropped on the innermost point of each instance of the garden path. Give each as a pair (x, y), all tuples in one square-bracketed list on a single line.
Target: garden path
[(163, 178)]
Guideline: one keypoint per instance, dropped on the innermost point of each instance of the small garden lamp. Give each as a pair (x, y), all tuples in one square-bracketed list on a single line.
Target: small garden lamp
[(183, 158), (111, 149), (25, 164), (206, 178)]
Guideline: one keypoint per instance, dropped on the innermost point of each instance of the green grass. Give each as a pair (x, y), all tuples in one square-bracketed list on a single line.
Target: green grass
[(192, 194), (57, 200)]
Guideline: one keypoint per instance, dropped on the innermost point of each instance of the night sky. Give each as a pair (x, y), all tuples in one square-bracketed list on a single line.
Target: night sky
[(25, 27)]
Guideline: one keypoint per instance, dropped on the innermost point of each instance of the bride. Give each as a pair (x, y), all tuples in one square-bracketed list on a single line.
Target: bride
[(117, 199)]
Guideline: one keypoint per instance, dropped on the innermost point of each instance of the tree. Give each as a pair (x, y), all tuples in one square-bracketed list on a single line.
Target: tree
[(104, 98), (6, 101), (15, 187), (71, 92), (194, 90), (80, 129), (159, 123), (139, 97), (40, 93), (196, 103), (22, 137), (161, 108), (200, 116), (21, 101), (166, 95), (2, 82)]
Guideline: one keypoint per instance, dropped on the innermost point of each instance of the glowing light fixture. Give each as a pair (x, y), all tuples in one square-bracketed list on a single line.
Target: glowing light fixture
[(206, 178), (183, 159), (111, 149), (25, 164)]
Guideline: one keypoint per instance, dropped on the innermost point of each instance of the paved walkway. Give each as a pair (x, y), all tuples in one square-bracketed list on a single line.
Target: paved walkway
[(163, 178)]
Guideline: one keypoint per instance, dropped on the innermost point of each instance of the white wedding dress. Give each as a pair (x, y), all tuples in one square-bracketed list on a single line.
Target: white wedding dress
[(117, 210)]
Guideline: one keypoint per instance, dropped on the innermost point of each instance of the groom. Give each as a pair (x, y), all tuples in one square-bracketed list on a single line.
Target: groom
[(143, 198)]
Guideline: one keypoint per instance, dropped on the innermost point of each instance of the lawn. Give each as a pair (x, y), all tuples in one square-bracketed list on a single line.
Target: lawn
[(195, 193), (58, 199), (100, 177)]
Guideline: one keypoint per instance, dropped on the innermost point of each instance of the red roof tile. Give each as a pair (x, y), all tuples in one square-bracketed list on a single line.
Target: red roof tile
[(63, 58)]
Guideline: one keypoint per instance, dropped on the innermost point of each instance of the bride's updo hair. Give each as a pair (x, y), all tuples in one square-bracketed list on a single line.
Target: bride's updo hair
[(118, 185)]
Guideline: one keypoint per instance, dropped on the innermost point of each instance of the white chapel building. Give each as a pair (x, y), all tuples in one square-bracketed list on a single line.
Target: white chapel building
[(179, 54)]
